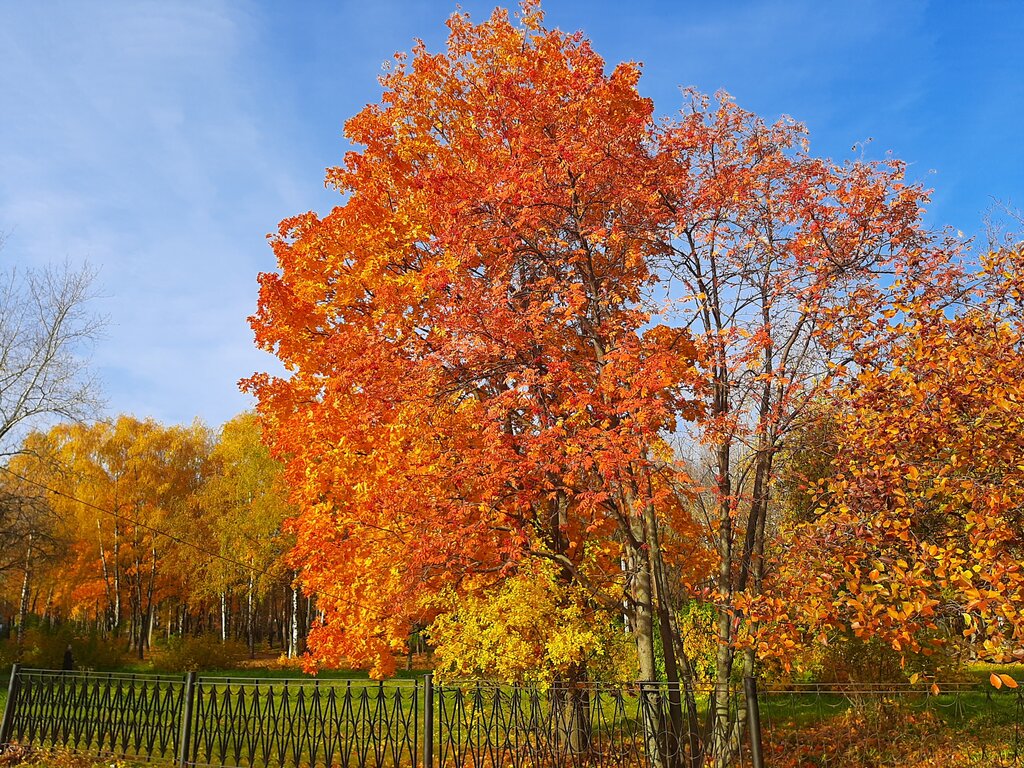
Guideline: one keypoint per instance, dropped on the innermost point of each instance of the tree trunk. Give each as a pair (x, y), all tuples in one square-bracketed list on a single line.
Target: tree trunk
[(149, 601), (673, 728), (643, 635), (117, 581), (293, 646), (722, 735), (250, 622), (109, 608), (223, 615), (47, 615), (642, 619), (271, 618), (26, 587), (138, 614)]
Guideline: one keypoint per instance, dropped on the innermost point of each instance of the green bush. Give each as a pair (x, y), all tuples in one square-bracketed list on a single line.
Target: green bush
[(192, 654), (849, 659), (43, 647)]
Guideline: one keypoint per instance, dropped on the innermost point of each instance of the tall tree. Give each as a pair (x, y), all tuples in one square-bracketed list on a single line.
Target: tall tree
[(46, 328), (122, 483), (788, 268), (244, 505), (917, 524), (477, 374), (30, 534)]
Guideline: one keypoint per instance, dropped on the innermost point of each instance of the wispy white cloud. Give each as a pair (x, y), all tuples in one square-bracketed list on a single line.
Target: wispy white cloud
[(136, 147), (161, 139)]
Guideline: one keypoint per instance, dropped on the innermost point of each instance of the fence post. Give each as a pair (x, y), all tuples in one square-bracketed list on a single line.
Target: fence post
[(428, 720), (753, 721), (185, 734), (9, 708)]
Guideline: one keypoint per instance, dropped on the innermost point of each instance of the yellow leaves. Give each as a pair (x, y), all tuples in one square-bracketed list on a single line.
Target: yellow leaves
[(530, 627)]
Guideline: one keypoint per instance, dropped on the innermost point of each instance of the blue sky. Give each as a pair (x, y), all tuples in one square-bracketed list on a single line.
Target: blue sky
[(160, 141)]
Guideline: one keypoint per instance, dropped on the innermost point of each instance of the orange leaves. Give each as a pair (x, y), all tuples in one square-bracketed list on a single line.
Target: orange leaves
[(472, 373), (926, 473), (529, 283), (998, 681)]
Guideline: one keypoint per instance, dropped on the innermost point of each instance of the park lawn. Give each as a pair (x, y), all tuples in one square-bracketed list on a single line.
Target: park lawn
[(981, 671)]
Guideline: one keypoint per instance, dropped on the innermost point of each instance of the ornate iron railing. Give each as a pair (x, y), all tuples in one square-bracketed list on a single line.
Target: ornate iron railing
[(136, 716), (581, 726), (258, 723), (262, 723)]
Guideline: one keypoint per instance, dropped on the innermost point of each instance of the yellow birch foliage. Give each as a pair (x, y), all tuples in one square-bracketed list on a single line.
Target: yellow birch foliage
[(531, 627)]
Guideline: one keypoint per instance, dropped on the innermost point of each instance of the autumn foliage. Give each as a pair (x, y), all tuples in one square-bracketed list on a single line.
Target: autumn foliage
[(129, 532), (918, 526), (574, 392), (476, 374), (553, 352)]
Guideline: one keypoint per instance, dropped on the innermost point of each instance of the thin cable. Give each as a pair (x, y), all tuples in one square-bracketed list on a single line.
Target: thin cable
[(184, 542), (589, 612)]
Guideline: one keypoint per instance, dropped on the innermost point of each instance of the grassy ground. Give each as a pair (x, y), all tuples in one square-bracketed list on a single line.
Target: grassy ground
[(58, 759)]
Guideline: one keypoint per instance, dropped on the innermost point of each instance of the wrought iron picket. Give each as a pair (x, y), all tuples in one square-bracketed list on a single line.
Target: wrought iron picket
[(9, 704), (572, 726)]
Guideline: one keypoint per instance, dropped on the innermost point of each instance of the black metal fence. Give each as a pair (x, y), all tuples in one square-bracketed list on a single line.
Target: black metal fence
[(486, 725), (258, 723), (137, 715), (304, 722)]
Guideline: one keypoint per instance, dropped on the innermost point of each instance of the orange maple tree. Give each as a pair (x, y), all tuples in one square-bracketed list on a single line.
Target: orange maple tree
[(475, 373), (489, 342)]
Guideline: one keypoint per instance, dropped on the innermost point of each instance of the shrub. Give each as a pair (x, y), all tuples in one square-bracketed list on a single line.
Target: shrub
[(849, 659), (44, 647), (192, 654)]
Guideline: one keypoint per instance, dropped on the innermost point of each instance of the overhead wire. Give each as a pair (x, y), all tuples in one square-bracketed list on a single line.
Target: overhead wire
[(208, 552), (184, 542)]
